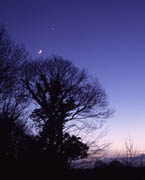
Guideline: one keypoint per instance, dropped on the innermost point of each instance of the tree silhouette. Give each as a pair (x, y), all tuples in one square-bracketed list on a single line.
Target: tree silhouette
[(11, 57), (67, 98), (12, 103)]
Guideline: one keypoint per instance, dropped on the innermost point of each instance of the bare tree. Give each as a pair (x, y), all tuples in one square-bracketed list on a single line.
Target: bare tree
[(12, 99), (68, 99), (130, 153), (11, 58)]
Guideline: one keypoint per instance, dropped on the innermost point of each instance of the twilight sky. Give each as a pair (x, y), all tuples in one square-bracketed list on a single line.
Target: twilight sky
[(107, 37)]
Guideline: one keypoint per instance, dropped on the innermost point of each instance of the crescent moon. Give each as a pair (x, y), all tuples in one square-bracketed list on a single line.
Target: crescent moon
[(40, 51)]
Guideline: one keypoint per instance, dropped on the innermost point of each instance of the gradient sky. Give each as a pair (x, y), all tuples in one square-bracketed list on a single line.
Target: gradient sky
[(107, 37)]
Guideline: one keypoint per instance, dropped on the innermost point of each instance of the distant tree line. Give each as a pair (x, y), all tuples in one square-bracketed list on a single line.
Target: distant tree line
[(56, 96)]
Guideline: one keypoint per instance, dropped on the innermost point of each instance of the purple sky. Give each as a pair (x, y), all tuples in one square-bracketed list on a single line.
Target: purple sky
[(105, 36)]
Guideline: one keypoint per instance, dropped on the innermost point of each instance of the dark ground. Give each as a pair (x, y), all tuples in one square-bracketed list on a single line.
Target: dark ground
[(40, 172)]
